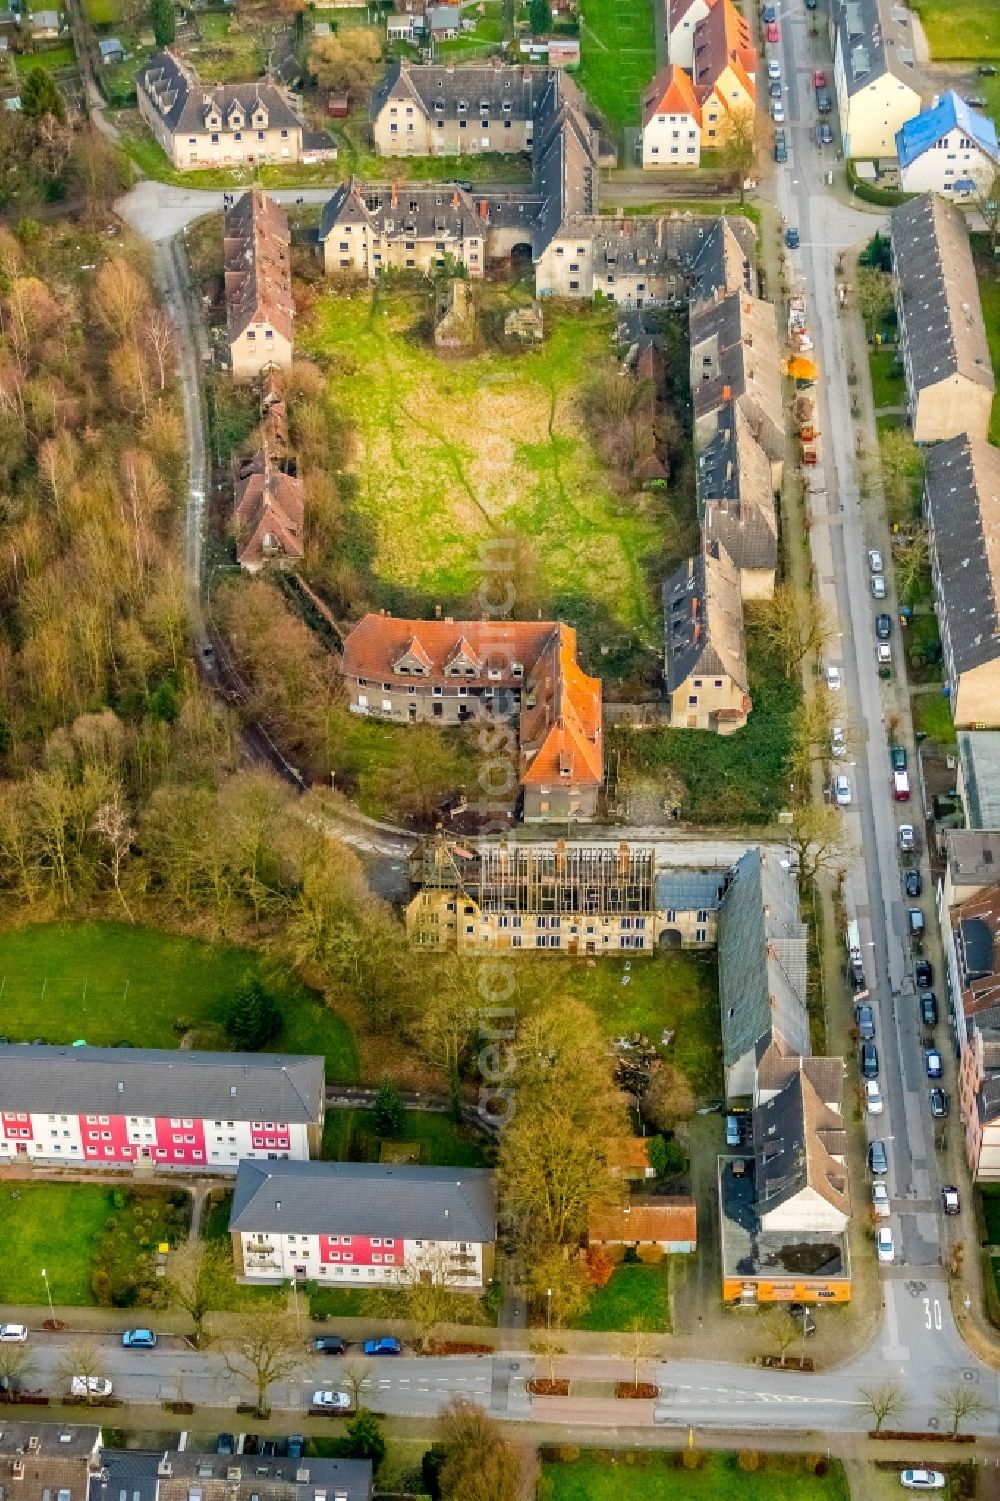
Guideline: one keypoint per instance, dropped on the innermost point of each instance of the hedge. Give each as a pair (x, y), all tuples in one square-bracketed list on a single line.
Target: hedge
[(884, 197)]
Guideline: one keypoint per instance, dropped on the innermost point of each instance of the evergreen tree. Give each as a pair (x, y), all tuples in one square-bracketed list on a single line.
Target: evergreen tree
[(388, 1110), (364, 1438), (161, 13), (40, 96), (253, 1018), (540, 17)]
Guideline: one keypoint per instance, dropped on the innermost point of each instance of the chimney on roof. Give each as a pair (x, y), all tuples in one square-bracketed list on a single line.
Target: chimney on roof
[(437, 612), (484, 209), (454, 199), (394, 197), (727, 393), (449, 620)]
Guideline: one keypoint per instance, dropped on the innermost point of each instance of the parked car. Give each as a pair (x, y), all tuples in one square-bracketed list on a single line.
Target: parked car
[(878, 1161), (225, 1444), (874, 560), (139, 1339), (923, 973), (833, 679), (777, 112), (773, 69), (792, 239), (824, 133), (880, 1200), (868, 1060), (906, 840), (883, 626), (823, 101), (986, 70), (873, 1097), (780, 146), (842, 791), (877, 586), (96, 1386), (950, 1201), (772, 33), (915, 919), (939, 1103), (884, 1244), (386, 1344), (774, 88), (296, 1445), (975, 101), (901, 786), (922, 1480), (334, 1401), (13, 1333), (928, 1008), (818, 79), (897, 755), (732, 1131), (838, 742), (932, 1063), (883, 654), (914, 883), (329, 1344), (864, 1015)]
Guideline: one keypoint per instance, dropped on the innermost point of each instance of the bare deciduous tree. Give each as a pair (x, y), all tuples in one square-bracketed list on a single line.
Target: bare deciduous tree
[(957, 1402), (113, 828), (264, 1348), (883, 1402)]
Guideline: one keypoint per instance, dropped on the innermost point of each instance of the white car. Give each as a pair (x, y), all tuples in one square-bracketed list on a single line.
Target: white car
[(838, 742), (922, 1480), (883, 653), (884, 1244), (873, 1097), (874, 560), (777, 112), (833, 679), (878, 586), (842, 791), (880, 1200), (13, 1333), (97, 1386), (774, 69), (336, 1401)]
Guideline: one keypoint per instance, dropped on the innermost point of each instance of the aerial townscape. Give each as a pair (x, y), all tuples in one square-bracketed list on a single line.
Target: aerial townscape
[(499, 750)]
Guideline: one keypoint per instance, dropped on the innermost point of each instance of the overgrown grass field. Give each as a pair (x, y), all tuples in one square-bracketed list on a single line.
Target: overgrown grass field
[(960, 30), (111, 984), (646, 1475), (350, 1136), (451, 453), (617, 57), (636, 1297)]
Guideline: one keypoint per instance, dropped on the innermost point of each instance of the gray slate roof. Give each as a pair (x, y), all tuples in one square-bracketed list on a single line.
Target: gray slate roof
[(59, 1463), (962, 500), (936, 283), (438, 90), (182, 100), (161, 1082), (797, 1143), (735, 498), (762, 958), (362, 1198), (875, 37), (268, 1479), (447, 213), (703, 620), (126, 1475), (680, 890), (979, 755)]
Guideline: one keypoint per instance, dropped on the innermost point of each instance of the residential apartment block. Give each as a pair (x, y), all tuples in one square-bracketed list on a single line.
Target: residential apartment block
[(671, 121), (971, 934), (875, 74), (942, 336), (723, 71), (705, 659), (736, 358), (187, 1475), (367, 230), (557, 898), (449, 111), (42, 1461), (117, 1107), (950, 149), (260, 311), (360, 1223), (736, 502), (683, 18), (451, 671), (213, 125), (962, 509)]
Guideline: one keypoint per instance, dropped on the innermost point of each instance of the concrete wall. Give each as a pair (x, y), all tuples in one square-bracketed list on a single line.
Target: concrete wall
[(808, 1210)]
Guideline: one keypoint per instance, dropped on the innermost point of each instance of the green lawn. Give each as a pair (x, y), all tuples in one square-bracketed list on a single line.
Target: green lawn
[(103, 12), (62, 1227), (369, 755), (646, 1475), (734, 779), (991, 1212), (350, 1135), (635, 1297), (617, 57), (888, 383), (960, 30), (52, 58), (449, 453), (111, 984), (989, 292), (228, 53), (932, 715)]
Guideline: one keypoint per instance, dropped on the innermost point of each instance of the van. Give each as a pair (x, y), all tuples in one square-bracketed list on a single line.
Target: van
[(869, 1060), (901, 786)]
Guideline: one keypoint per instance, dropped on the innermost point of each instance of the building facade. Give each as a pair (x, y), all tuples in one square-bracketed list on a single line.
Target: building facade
[(260, 310), (724, 72), (653, 1227), (683, 18), (119, 1107), (875, 74), (214, 125), (705, 661), (671, 121), (366, 230), (942, 336), (948, 149), (449, 111), (359, 1223)]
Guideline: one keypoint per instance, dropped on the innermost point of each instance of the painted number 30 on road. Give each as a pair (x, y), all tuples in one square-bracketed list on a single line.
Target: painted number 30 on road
[(932, 1314)]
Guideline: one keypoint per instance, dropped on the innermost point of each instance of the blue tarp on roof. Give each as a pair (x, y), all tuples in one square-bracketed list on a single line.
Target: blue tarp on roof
[(920, 134)]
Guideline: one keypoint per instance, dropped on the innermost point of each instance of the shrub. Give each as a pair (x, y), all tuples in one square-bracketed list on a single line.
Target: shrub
[(691, 1459), (568, 1454), (749, 1460), (100, 1286), (252, 1018), (111, 1223), (119, 1198)]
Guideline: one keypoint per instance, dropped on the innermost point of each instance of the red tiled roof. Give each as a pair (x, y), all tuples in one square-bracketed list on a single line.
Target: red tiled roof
[(671, 92), (643, 1219), (561, 732), (629, 1153), (257, 267), (722, 39)]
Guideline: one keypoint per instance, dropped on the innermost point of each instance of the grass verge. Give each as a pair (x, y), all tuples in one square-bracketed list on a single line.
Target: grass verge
[(960, 32), (646, 1475), (888, 383), (636, 1298)]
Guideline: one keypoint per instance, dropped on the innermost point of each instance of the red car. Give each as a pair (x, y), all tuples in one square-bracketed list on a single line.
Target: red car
[(819, 79), (772, 31)]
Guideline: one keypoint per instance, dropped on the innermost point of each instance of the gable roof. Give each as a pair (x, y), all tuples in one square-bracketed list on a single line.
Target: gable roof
[(439, 210), (733, 476), (560, 732), (55, 1461), (762, 958), (962, 499), (800, 1142), (875, 37), (678, 9), (182, 101), (379, 641), (723, 40), (365, 1198), (643, 1218), (243, 1477), (269, 513), (670, 93), (161, 1082), (944, 329), (257, 266), (736, 355), (703, 620), (438, 90), (924, 131)]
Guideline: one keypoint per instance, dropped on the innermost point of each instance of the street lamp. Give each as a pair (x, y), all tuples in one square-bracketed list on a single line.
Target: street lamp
[(548, 1317), (48, 1294)]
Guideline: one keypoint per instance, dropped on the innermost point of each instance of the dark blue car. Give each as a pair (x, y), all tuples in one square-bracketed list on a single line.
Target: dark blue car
[(387, 1344)]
